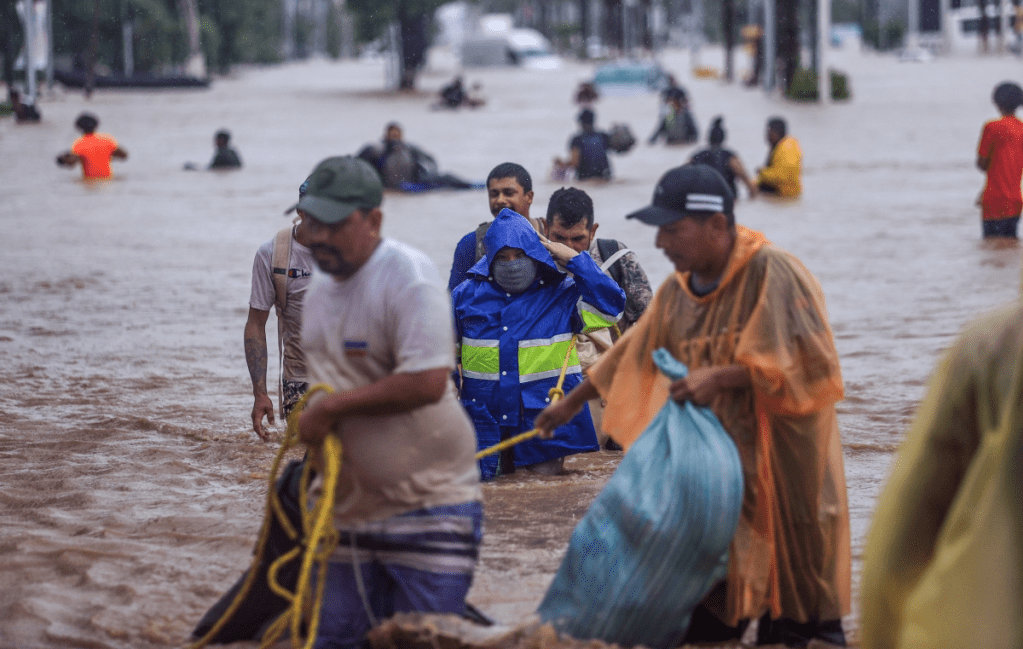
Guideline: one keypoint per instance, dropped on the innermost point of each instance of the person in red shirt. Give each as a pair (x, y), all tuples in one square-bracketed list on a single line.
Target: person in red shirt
[(94, 150), (1000, 155)]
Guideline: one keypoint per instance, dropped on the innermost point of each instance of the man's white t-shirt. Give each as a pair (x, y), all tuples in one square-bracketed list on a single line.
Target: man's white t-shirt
[(392, 316), (264, 295)]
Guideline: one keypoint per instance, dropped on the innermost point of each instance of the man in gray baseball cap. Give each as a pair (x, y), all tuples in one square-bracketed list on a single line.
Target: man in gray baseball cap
[(749, 321)]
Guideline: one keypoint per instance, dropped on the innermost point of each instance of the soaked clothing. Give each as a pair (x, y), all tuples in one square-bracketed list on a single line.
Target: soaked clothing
[(721, 161), (592, 147), (95, 150), (420, 561), (784, 168), (677, 127), (943, 564), (1000, 227), (392, 316), (1001, 142), (513, 345), (225, 158), (791, 552), (264, 296), (629, 275), (408, 486)]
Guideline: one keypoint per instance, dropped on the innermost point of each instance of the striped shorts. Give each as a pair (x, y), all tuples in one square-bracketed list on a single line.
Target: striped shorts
[(419, 561)]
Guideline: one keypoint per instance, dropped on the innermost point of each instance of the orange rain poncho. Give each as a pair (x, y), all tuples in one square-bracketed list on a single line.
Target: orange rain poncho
[(790, 555), (943, 565)]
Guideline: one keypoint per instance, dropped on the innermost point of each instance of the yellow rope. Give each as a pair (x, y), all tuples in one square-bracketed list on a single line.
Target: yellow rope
[(555, 393), (320, 540)]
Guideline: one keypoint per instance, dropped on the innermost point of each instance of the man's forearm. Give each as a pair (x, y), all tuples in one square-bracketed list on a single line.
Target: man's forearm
[(255, 358)]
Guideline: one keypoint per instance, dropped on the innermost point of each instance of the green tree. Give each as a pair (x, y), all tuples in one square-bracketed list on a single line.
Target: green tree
[(413, 17)]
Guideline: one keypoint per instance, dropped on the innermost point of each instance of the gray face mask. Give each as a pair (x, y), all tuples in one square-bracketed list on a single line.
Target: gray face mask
[(514, 276)]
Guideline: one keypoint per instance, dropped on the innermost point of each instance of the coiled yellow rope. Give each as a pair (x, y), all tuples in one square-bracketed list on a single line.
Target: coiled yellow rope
[(318, 530), (320, 539)]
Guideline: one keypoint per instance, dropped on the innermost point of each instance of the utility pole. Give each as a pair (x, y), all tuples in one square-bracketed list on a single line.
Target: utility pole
[(770, 43), (823, 45), (49, 45), (195, 65), (30, 49)]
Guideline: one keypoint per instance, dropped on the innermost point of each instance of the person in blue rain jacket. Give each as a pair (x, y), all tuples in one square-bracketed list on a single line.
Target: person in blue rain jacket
[(515, 316)]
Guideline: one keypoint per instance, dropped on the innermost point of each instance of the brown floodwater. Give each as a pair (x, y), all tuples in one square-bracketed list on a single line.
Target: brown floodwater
[(131, 486)]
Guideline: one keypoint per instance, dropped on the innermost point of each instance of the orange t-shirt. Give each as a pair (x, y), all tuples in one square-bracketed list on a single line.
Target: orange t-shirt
[(95, 150), (1001, 141)]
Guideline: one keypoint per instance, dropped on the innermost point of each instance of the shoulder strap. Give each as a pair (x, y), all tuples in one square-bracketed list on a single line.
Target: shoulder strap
[(611, 251), (481, 232), (280, 262)]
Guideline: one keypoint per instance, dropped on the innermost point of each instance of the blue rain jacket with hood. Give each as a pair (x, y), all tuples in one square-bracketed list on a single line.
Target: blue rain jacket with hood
[(513, 344)]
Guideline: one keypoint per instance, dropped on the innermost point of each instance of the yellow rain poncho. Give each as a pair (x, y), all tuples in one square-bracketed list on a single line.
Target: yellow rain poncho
[(784, 169), (790, 555), (944, 560)]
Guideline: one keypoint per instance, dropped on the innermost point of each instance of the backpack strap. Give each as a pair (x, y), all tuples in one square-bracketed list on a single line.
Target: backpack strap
[(481, 231), (611, 251), (280, 262)]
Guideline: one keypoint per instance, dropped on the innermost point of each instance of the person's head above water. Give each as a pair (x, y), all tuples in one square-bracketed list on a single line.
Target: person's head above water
[(392, 132), (570, 219), (586, 119), (87, 123), (717, 131), (222, 137), (509, 186), (692, 210), (1008, 97), (341, 209), (776, 130)]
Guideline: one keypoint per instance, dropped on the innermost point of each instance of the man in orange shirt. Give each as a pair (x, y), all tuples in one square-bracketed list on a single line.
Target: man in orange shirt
[(1000, 155), (93, 150)]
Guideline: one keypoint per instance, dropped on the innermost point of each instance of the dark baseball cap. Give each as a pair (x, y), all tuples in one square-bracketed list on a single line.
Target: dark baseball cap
[(691, 188), (338, 186)]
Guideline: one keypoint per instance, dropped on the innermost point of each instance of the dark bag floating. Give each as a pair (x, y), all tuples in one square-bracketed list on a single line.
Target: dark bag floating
[(262, 606), (656, 539)]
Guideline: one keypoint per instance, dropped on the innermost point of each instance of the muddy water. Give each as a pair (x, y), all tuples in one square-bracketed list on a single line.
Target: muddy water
[(130, 483)]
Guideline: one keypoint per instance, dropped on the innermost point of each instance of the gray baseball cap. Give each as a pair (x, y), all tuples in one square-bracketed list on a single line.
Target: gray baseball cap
[(338, 186)]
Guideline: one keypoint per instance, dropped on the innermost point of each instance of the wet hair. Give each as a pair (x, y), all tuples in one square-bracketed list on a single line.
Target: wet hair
[(222, 134), (586, 117), (778, 125), (1008, 97), (87, 122), (571, 206), (717, 131), (391, 125), (512, 170)]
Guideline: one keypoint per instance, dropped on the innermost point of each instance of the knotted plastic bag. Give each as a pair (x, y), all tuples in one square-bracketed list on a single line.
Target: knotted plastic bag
[(655, 540)]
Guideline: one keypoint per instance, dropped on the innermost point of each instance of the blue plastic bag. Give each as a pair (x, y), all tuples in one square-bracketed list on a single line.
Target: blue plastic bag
[(655, 540)]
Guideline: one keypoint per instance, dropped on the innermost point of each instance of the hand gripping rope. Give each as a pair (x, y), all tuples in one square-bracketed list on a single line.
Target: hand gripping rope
[(320, 541), (555, 393), (318, 531)]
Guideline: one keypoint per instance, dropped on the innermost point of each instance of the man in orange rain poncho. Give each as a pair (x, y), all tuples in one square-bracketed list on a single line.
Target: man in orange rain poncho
[(750, 322), (943, 566)]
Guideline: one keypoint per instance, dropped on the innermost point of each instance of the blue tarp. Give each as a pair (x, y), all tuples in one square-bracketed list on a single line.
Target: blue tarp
[(655, 540)]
